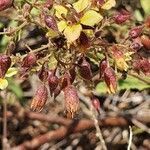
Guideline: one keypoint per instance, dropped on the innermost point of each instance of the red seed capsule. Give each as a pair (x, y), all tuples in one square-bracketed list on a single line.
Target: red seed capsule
[(142, 64), (5, 63), (50, 22), (135, 32), (43, 73), (85, 70), (110, 80), (40, 98), (71, 100), (52, 81), (102, 66), (4, 4), (121, 17), (146, 42), (84, 43), (29, 60)]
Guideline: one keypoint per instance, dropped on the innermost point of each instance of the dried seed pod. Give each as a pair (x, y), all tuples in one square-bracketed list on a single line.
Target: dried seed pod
[(121, 16), (102, 66), (136, 45), (110, 80), (146, 42), (53, 81), (4, 4), (43, 73), (64, 81), (5, 63), (83, 42), (39, 99), (71, 100), (85, 69), (29, 60), (135, 32), (96, 103), (142, 64), (50, 22)]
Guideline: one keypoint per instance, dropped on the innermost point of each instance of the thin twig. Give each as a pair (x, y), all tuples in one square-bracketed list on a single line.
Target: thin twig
[(130, 138)]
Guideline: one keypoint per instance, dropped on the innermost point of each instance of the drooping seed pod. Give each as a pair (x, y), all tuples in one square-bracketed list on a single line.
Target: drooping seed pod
[(102, 66), (85, 69), (146, 42), (121, 16), (110, 80), (5, 63), (4, 4), (135, 32), (71, 101), (53, 81), (29, 60), (96, 103), (43, 73), (84, 43), (51, 22), (39, 99), (64, 81)]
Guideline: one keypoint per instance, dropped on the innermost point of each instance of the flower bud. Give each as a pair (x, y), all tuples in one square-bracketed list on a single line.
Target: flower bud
[(146, 42), (135, 32), (39, 99), (4, 4), (71, 101), (121, 16), (96, 103), (52, 81), (50, 22), (29, 60), (110, 80), (5, 63), (43, 73), (85, 69), (102, 66)]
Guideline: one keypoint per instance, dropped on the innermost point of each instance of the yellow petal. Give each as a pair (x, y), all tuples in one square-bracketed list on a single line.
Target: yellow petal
[(109, 4), (51, 33), (3, 83), (80, 5), (72, 33), (62, 25), (91, 17), (11, 72), (60, 10), (121, 64)]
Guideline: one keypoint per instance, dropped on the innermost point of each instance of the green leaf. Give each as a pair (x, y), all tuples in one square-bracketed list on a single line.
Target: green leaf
[(3, 84), (62, 25), (11, 72), (90, 18), (72, 33), (60, 10), (80, 5), (146, 6), (127, 84), (15, 88)]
